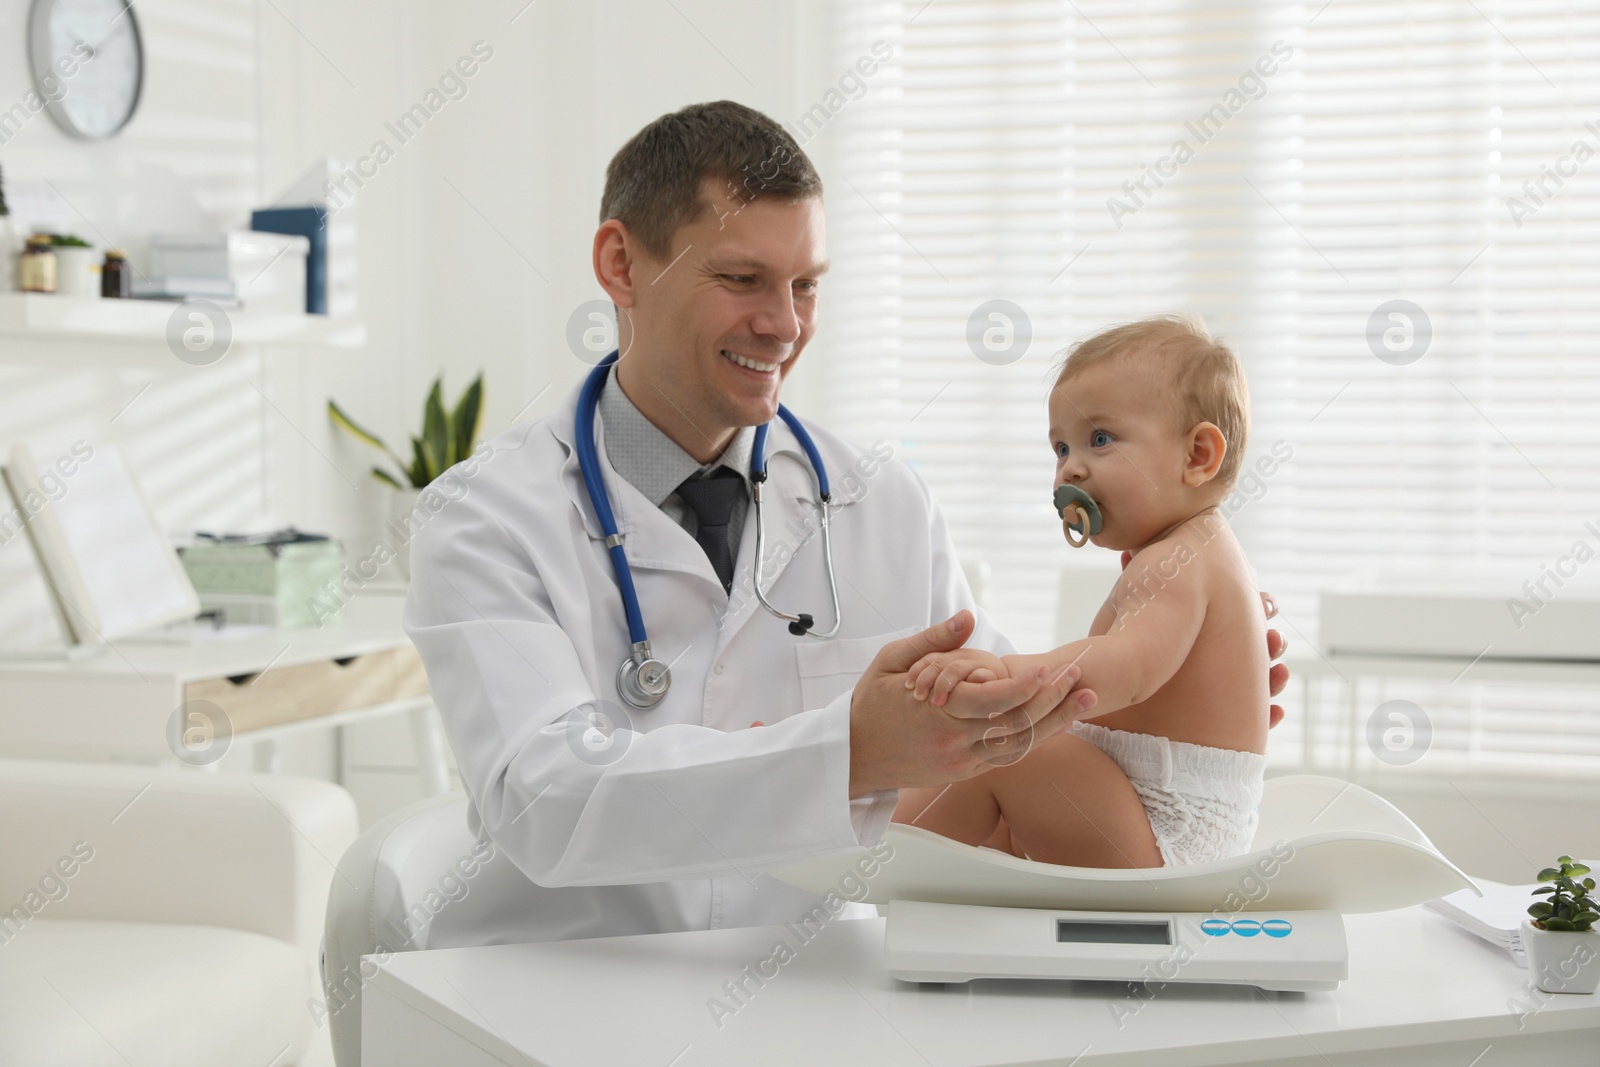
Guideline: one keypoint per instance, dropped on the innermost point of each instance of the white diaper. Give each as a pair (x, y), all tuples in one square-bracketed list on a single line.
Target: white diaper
[(1201, 800)]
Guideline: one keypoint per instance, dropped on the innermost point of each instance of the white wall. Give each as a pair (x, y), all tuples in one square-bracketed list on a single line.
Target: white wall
[(517, 168), (1504, 829)]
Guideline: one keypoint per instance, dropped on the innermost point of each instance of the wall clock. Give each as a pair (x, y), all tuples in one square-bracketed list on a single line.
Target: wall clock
[(88, 63)]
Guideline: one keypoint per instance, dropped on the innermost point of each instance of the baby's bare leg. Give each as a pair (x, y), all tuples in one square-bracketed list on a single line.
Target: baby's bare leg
[(913, 802), (966, 811), (1001, 839), (1066, 802)]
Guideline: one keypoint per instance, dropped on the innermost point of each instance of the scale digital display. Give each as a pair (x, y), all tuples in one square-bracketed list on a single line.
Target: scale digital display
[(1299, 951), (1096, 932)]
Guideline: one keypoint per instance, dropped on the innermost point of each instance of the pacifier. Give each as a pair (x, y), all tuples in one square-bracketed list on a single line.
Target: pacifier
[(1069, 498)]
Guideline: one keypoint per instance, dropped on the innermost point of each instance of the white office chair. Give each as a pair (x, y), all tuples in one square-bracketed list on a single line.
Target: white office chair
[(394, 893), (381, 880)]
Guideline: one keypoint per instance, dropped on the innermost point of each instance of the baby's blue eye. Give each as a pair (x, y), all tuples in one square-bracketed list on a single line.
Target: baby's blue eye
[(1061, 449), (1099, 439)]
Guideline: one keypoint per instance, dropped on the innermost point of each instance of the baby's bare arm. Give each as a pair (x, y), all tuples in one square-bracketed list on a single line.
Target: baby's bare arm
[(1157, 608)]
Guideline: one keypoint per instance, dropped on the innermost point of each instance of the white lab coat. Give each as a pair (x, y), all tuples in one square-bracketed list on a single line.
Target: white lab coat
[(514, 607)]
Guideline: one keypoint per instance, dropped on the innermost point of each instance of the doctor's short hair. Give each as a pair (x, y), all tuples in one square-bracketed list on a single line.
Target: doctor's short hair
[(653, 183), (1206, 381)]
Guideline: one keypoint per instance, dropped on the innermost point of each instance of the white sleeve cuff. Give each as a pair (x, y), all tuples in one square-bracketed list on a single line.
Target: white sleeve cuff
[(868, 816)]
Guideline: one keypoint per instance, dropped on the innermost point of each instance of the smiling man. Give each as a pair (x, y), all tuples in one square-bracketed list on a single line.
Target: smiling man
[(767, 747), (718, 278)]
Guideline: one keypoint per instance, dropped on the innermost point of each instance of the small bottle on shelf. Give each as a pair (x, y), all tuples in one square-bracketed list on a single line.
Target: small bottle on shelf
[(116, 277), (36, 267)]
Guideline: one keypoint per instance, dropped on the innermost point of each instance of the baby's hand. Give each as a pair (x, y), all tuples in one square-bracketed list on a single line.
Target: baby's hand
[(933, 676)]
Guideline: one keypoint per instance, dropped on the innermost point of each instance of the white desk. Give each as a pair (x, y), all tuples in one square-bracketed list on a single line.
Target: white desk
[(117, 706), (1421, 993)]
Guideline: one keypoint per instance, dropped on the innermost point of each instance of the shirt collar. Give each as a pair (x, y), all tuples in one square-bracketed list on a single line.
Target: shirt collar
[(648, 459)]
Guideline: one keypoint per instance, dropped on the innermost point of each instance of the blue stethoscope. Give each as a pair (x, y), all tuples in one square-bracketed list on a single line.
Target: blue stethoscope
[(642, 680)]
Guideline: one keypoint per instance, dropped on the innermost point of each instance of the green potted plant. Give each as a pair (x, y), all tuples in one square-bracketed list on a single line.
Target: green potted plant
[(77, 273), (448, 437), (1562, 945)]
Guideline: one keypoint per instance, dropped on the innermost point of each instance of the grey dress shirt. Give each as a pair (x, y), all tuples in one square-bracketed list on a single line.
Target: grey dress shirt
[(653, 463)]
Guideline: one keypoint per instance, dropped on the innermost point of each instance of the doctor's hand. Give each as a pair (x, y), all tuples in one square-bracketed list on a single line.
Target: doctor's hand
[(1278, 673), (898, 741)]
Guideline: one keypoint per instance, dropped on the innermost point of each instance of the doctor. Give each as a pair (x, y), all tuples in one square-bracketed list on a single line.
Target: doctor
[(767, 747)]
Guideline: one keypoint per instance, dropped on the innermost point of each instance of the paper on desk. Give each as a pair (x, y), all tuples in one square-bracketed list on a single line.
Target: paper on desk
[(1496, 916)]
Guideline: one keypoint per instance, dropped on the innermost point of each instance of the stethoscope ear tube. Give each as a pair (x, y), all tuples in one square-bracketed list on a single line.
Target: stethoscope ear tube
[(642, 679), (818, 468), (801, 625)]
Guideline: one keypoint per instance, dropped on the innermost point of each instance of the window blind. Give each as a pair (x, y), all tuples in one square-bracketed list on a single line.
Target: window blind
[(1386, 206)]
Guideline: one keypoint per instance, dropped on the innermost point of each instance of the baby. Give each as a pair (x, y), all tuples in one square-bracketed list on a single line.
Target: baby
[(1149, 420)]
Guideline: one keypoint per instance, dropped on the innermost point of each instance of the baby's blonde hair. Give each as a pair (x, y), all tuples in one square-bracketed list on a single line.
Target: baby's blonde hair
[(1207, 380)]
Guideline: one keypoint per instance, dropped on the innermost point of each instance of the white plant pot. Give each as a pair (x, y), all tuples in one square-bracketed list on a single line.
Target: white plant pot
[(401, 526), (77, 273), (1562, 961)]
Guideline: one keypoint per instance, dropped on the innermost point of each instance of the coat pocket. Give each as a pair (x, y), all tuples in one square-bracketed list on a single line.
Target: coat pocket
[(831, 668)]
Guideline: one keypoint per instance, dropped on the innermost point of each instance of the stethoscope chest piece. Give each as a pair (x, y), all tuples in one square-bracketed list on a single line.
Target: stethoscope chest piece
[(642, 680)]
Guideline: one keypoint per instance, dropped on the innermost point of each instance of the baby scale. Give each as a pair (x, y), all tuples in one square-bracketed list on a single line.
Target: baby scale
[(1272, 918)]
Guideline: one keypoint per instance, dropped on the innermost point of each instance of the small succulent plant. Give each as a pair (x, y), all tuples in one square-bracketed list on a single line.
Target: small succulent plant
[(1569, 907)]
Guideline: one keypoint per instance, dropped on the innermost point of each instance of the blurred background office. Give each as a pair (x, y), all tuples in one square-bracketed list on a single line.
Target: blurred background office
[(1389, 208)]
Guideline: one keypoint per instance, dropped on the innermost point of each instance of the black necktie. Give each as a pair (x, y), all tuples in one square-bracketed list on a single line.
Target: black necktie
[(712, 499)]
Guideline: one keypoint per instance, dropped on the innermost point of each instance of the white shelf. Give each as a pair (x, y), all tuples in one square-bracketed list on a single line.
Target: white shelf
[(46, 316)]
